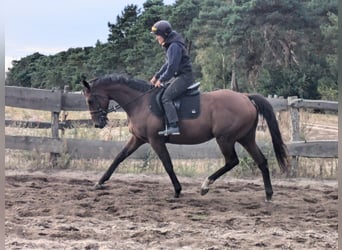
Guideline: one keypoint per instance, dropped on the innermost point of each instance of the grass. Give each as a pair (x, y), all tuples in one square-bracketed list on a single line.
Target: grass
[(31, 160)]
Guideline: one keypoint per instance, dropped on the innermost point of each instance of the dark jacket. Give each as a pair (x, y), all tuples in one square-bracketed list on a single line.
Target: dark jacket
[(177, 59)]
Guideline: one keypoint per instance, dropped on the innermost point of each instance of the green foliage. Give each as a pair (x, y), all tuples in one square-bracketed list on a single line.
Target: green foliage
[(21, 73), (283, 47)]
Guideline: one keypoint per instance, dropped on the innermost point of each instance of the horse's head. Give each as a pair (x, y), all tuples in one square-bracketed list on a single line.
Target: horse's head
[(97, 103)]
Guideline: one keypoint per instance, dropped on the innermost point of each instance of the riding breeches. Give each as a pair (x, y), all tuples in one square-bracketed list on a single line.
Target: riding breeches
[(175, 87)]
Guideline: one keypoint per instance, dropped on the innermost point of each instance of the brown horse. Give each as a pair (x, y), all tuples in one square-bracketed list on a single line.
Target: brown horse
[(227, 116)]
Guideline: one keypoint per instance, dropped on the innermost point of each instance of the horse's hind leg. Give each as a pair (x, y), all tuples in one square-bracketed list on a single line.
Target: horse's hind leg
[(231, 159), (253, 149)]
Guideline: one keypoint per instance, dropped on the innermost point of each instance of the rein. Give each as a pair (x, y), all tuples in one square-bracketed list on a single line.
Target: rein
[(118, 106)]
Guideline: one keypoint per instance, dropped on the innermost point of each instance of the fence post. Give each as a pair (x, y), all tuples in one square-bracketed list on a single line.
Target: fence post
[(295, 132), (64, 113), (54, 132)]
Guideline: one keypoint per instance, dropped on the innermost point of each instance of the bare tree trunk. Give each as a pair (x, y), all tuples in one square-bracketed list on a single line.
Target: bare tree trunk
[(233, 83)]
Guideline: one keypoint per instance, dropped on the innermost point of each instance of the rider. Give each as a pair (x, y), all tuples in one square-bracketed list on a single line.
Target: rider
[(176, 73)]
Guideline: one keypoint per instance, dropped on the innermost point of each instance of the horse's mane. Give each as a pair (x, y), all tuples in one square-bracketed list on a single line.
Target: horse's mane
[(136, 84)]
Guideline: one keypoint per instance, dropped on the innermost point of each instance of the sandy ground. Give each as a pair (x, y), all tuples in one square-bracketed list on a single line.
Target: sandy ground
[(60, 210)]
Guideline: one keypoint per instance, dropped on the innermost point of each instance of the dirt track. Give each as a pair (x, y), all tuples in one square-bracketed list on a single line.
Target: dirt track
[(62, 211)]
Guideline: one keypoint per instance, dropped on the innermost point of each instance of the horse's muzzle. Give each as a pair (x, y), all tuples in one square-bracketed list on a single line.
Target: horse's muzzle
[(102, 122), (99, 125)]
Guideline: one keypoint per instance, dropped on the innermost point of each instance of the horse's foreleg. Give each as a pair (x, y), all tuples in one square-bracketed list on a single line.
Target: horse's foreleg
[(133, 144), (164, 156)]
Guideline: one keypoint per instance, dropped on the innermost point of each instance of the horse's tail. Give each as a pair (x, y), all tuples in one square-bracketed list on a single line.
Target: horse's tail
[(266, 110)]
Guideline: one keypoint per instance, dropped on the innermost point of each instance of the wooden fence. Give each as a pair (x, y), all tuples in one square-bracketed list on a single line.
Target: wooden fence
[(57, 101)]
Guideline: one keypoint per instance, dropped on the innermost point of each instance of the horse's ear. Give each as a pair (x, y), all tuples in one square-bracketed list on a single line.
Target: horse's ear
[(86, 85)]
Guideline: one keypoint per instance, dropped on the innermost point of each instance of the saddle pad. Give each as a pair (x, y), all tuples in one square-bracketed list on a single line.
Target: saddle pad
[(189, 106)]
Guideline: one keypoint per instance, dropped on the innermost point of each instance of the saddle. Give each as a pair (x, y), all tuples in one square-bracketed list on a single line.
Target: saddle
[(187, 105)]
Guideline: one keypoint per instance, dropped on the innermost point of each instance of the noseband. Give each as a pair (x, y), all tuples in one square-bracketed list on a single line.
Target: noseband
[(104, 112)]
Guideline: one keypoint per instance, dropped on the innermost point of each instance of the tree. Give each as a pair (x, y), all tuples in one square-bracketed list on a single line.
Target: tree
[(327, 84), (211, 56), (284, 47), (22, 70)]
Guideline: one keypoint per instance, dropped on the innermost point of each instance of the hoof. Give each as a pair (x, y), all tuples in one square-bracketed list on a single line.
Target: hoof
[(269, 197), (204, 191), (177, 195), (205, 186), (98, 187), (268, 200)]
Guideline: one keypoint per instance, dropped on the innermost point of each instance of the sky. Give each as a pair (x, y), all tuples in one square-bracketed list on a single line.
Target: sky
[(49, 27)]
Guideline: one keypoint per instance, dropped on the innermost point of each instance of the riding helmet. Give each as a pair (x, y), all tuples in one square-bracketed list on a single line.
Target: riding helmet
[(162, 28)]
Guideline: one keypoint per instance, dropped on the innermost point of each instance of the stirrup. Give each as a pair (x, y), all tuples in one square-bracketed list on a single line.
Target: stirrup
[(170, 131)]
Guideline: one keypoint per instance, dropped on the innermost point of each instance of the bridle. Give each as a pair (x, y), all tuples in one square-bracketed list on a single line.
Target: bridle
[(116, 107), (104, 111)]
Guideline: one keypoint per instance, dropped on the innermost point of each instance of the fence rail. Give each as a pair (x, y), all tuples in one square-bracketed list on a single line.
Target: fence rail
[(57, 101)]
